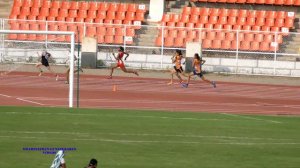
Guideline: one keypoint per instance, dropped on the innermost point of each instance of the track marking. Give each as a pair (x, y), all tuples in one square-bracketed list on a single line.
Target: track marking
[(154, 141), (5, 95), (252, 118), (144, 134), (148, 116), (123, 116), (28, 101)]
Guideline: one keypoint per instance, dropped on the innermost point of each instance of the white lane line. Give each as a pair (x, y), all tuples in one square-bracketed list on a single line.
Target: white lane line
[(146, 134), (123, 116), (4, 95), (258, 104), (28, 101), (154, 141), (252, 118)]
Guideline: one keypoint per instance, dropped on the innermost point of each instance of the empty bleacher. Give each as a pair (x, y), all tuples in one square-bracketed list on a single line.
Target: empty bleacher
[(94, 19), (217, 28), (258, 2)]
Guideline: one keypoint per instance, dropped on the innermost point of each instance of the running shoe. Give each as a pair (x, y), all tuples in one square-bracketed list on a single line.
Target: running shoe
[(214, 84), (184, 85)]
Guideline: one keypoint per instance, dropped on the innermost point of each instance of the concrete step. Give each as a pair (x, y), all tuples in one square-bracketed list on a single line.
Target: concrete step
[(286, 58), (175, 10), (292, 51)]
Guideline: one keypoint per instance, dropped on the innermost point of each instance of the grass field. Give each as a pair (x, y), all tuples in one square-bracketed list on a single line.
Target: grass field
[(144, 139)]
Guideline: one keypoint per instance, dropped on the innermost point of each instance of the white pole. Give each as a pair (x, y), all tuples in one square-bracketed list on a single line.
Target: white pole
[(71, 87), (237, 52), (275, 55), (162, 46)]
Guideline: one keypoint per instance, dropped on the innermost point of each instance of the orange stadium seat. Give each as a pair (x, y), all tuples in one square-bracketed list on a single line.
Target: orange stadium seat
[(122, 7), (213, 19), (25, 11), (74, 5), (82, 13), (206, 43), (104, 6), (17, 3), (119, 40), (254, 45), (72, 14), (169, 41), (195, 11), (222, 20), (37, 3), (259, 37), (91, 31), (139, 16), (34, 11), (226, 44), (53, 12), (130, 16), (84, 5), (227, 27), (100, 38), (27, 3), (288, 22), (203, 19), (252, 14), (232, 20), (179, 42), (132, 8), (130, 32), (46, 4), (220, 35), (216, 44), (94, 6), (65, 5), (158, 41), (264, 46), (113, 7), (218, 26), (199, 25), (56, 4), (108, 39), (204, 11), (242, 13), (187, 10)]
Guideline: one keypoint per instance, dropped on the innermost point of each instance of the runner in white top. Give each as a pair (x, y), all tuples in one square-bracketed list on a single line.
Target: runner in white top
[(68, 65)]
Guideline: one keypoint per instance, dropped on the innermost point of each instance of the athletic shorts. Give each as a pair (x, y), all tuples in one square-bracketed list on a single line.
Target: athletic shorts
[(45, 62), (120, 64), (180, 70), (198, 74)]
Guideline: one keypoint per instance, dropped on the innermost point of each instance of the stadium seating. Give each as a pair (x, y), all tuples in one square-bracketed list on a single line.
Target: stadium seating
[(220, 26), (62, 15), (267, 2)]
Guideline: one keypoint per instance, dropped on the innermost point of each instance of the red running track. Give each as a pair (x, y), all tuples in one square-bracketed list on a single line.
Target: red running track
[(25, 89)]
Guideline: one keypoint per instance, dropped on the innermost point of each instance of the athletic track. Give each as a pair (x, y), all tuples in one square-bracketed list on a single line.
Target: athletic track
[(26, 89)]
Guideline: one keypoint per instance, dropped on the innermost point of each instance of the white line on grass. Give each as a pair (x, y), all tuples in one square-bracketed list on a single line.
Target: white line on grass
[(28, 101), (251, 118), (153, 141), (143, 134), (147, 116)]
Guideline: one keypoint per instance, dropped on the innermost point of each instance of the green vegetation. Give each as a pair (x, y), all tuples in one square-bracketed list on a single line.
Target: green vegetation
[(144, 139)]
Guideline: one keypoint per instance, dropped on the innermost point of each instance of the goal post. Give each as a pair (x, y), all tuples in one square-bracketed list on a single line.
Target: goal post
[(71, 42)]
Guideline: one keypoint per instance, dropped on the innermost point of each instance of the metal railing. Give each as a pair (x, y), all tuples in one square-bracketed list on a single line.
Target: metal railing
[(233, 48)]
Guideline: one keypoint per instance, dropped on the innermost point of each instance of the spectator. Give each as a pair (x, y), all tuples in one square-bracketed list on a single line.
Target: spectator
[(92, 164)]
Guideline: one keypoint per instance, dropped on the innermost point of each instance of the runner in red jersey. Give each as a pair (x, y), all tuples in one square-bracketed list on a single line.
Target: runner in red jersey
[(120, 63)]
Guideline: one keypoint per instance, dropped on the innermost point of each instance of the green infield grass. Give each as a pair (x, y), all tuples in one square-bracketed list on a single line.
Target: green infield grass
[(147, 139)]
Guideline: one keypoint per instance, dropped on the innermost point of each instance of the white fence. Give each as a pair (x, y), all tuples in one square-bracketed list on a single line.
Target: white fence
[(273, 52)]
